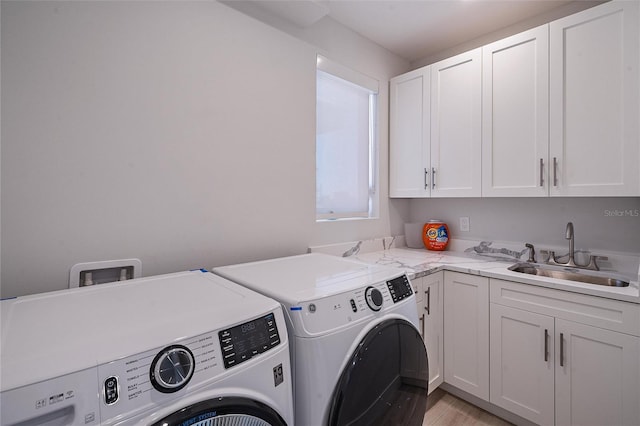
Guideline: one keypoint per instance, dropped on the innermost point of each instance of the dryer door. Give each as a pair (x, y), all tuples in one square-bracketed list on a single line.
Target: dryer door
[(229, 411), (386, 379)]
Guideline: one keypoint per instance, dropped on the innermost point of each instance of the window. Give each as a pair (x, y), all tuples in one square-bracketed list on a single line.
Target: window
[(345, 142)]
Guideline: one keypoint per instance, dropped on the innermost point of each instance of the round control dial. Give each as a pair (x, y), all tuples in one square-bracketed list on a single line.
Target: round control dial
[(172, 369), (373, 296)]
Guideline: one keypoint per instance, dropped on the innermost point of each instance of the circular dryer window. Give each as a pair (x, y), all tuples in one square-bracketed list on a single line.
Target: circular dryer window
[(386, 379), (224, 411)]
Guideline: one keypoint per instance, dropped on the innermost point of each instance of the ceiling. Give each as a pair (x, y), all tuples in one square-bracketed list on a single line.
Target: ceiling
[(416, 29)]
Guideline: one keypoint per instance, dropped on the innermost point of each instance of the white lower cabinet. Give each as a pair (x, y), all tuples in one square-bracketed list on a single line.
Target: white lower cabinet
[(551, 370), (431, 312), (522, 367), (466, 333), (597, 376)]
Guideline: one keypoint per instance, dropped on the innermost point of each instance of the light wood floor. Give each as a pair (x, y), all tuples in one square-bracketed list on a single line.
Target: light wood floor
[(444, 409)]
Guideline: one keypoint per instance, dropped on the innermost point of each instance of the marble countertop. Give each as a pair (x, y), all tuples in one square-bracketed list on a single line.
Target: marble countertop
[(420, 262)]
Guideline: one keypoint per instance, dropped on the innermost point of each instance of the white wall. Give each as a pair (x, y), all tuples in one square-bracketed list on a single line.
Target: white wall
[(607, 224), (180, 133), (348, 48)]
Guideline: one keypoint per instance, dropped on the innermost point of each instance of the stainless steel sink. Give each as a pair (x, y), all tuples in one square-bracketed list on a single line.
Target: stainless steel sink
[(568, 274)]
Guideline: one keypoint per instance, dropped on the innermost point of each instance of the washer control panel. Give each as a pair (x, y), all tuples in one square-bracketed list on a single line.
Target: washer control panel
[(172, 369), (244, 341), (400, 288), (157, 376), (131, 383)]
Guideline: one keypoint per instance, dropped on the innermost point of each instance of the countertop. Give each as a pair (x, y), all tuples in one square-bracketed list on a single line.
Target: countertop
[(420, 262)]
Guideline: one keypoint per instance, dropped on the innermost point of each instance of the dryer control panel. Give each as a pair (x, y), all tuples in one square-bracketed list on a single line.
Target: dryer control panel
[(332, 312), (399, 288)]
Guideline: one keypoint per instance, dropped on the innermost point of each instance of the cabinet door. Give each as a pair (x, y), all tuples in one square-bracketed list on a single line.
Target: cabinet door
[(597, 376), (522, 368), (515, 115), (417, 285), (466, 327), (456, 126), (594, 102), (433, 310), (409, 134)]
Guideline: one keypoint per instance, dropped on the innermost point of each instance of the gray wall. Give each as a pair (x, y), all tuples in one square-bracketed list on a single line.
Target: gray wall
[(179, 133), (611, 224)]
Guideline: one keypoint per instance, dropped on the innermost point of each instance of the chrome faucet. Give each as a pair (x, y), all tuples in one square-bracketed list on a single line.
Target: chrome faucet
[(532, 253), (571, 262), (568, 235)]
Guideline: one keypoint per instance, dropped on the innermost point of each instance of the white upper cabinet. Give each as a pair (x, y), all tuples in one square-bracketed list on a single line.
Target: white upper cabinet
[(515, 115), (409, 164), (456, 126), (594, 97), (553, 111)]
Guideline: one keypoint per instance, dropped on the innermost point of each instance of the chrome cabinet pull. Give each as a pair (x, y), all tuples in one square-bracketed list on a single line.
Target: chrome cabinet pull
[(561, 350), (555, 171), (426, 178), (433, 178), (546, 345), (428, 307), (541, 172)]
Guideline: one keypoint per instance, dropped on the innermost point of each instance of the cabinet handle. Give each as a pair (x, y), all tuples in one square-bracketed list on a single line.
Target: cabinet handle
[(426, 178), (541, 172), (433, 178), (428, 307), (422, 323), (546, 345), (555, 171), (561, 350)]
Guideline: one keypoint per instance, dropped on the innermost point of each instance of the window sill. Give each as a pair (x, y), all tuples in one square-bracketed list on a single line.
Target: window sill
[(345, 219)]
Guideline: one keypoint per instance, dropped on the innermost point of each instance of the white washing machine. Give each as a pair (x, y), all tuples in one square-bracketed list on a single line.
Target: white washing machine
[(357, 353), (180, 349)]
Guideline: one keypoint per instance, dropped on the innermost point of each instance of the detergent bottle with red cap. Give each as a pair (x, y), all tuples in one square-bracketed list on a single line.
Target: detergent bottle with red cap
[(435, 235)]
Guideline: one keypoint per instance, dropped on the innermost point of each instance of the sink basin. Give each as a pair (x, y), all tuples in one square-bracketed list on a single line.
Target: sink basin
[(568, 274)]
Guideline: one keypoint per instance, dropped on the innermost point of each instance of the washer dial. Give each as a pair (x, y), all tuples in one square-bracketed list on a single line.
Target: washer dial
[(373, 296), (172, 369)]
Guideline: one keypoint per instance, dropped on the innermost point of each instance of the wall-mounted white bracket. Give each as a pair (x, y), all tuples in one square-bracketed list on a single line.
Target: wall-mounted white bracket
[(90, 273)]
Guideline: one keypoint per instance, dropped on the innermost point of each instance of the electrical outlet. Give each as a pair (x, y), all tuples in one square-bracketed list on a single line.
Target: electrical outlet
[(464, 224)]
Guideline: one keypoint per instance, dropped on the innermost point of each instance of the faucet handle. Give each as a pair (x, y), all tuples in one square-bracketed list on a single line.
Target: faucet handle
[(593, 265), (532, 253), (546, 254)]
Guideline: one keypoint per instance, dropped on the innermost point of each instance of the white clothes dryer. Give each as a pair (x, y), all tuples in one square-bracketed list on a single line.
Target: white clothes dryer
[(357, 353), (180, 349)]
